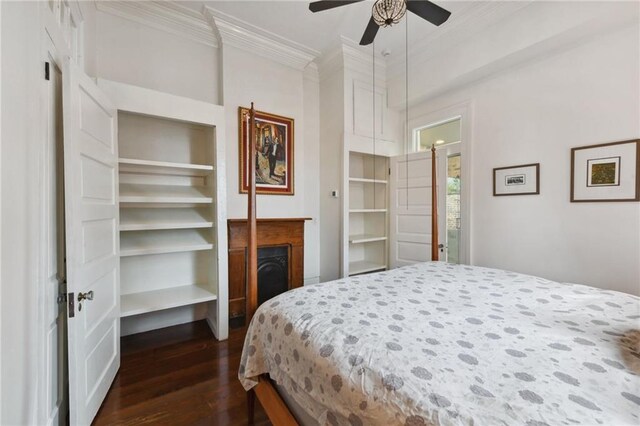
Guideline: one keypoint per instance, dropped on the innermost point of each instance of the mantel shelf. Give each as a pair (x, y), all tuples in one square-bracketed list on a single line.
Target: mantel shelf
[(133, 165), (156, 300)]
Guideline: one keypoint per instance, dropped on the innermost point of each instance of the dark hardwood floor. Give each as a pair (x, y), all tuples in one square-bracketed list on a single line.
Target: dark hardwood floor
[(179, 376)]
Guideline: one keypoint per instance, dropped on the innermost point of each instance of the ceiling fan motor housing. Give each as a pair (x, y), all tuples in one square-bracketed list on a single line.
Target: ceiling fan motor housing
[(388, 12)]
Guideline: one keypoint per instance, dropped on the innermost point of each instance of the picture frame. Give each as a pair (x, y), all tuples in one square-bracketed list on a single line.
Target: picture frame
[(523, 179), (606, 172), (274, 152)]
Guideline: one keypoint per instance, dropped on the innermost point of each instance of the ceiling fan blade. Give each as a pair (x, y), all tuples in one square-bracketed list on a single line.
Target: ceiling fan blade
[(429, 11), (369, 33), (319, 6)]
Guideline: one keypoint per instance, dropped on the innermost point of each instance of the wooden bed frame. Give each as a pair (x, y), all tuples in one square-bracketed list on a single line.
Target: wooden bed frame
[(265, 391)]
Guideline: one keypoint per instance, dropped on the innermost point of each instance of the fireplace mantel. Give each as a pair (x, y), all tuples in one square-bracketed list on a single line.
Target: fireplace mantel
[(271, 232)]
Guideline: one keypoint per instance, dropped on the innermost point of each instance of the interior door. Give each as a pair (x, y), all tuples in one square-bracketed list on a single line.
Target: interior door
[(410, 208), (93, 267), (55, 351)]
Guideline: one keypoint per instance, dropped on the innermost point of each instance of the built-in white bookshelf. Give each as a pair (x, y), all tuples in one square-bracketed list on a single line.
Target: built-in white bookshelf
[(173, 259), (368, 199)]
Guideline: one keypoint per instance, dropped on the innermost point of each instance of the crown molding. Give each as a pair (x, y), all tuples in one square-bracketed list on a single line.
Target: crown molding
[(166, 16), (311, 73), (234, 32), (349, 57)]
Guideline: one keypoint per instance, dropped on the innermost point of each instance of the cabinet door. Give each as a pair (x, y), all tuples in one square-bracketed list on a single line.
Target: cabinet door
[(92, 252)]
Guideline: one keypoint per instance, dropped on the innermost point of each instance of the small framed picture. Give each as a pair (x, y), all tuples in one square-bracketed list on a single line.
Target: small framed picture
[(606, 172), (516, 180)]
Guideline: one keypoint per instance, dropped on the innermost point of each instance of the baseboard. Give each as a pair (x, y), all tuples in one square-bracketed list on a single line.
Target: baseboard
[(311, 280)]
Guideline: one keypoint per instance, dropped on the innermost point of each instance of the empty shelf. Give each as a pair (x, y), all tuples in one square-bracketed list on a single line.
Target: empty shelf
[(368, 211), (362, 266), (155, 242), (132, 165), (135, 193), (156, 300), (366, 238), (364, 180), (138, 219)]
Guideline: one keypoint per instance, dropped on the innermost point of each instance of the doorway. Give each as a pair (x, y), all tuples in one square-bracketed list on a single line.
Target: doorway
[(410, 194), (445, 136)]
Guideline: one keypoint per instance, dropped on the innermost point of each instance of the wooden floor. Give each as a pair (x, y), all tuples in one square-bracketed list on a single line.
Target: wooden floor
[(179, 376)]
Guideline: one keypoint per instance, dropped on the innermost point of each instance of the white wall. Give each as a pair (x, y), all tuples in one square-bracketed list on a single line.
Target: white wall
[(133, 53), (536, 113), (281, 90), (21, 67)]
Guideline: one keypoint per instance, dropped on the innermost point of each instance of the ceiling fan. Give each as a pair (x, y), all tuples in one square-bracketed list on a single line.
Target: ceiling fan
[(388, 12)]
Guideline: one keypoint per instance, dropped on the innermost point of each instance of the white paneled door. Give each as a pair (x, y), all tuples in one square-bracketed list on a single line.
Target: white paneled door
[(91, 213), (410, 212)]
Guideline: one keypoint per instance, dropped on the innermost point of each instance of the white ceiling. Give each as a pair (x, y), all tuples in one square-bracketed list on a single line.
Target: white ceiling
[(321, 31)]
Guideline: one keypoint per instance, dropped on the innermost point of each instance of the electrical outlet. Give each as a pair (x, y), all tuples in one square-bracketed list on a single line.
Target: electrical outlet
[(334, 194)]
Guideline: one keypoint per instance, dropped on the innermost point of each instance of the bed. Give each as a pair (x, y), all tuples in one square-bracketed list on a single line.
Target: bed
[(437, 344), (443, 344)]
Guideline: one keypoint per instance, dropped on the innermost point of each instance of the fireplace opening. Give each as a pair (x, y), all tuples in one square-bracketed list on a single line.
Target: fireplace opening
[(273, 272)]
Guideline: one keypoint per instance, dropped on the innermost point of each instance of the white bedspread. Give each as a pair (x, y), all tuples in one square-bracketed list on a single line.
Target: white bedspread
[(440, 344)]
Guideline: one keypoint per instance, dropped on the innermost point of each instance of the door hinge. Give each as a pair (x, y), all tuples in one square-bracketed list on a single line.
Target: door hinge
[(389, 171), (72, 312), (46, 70)]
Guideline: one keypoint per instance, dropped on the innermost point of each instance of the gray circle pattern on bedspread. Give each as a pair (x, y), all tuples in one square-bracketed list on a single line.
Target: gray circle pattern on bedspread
[(442, 344)]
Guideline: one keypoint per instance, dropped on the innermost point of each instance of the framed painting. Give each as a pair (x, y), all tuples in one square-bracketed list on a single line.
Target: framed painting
[(516, 180), (274, 152), (606, 172)]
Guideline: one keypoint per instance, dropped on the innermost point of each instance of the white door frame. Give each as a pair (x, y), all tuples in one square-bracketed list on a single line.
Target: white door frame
[(464, 111), (53, 46), (48, 387)]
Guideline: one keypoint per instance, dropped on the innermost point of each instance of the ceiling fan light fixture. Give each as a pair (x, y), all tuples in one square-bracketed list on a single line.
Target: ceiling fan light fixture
[(388, 12)]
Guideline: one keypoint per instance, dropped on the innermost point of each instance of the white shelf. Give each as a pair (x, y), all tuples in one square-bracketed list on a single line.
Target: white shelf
[(368, 211), (362, 266), (132, 165), (156, 300), (135, 193), (364, 180), (144, 219), (366, 238), (156, 242)]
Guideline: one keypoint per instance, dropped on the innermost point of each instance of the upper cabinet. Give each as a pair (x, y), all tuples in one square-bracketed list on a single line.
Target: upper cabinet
[(367, 116)]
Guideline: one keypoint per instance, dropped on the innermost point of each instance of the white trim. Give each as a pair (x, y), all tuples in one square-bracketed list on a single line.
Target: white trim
[(166, 16), (311, 280), (237, 33), (312, 73), (348, 56), (141, 100), (464, 111)]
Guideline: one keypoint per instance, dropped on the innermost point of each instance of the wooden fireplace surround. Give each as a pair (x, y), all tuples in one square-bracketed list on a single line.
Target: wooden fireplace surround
[(271, 232)]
